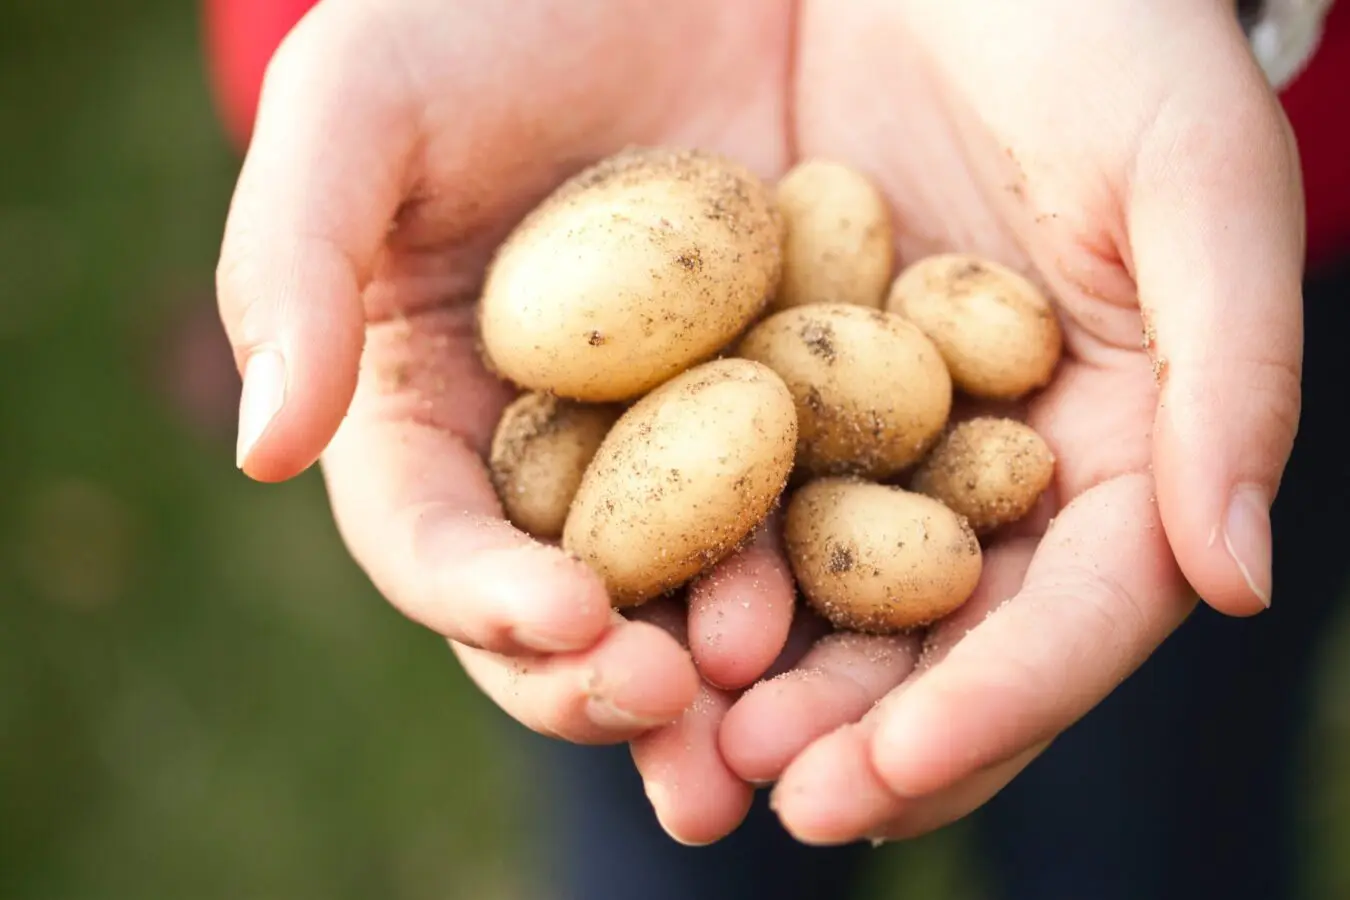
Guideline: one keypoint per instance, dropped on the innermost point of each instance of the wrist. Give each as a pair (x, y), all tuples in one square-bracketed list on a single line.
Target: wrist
[(1284, 34)]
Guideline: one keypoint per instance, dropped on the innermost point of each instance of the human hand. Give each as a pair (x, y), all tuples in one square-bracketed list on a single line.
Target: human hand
[(397, 142), (1130, 156), (386, 165)]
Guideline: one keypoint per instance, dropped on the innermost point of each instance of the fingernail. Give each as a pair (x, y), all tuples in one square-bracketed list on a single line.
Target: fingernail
[(1246, 536), (605, 713), (610, 717), (527, 637), (659, 798), (260, 400)]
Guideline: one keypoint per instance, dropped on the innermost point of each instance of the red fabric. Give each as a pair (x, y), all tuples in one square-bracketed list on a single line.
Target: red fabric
[(1318, 105), (242, 34)]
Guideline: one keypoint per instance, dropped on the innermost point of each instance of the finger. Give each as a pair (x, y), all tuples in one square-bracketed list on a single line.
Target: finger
[(414, 505), (740, 613), (919, 817), (319, 187), (1215, 228), (832, 795), (696, 796), (1101, 593), (837, 682), (636, 678)]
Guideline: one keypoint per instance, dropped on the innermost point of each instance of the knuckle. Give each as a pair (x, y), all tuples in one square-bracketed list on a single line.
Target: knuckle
[(1115, 614), (1279, 385), (248, 296), (1102, 637), (1193, 137)]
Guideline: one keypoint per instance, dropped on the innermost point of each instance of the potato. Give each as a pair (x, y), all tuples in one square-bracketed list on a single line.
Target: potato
[(631, 272), (839, 242), (540, 450), (872, 392), (990, 470), (876, 558), (683, 478), (996, 330)]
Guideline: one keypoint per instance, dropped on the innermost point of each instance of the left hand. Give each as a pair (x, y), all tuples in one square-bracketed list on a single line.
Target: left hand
[(1130, 156)]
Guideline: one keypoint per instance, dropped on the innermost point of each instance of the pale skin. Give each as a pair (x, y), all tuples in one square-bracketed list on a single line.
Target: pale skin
[(1127, 154)]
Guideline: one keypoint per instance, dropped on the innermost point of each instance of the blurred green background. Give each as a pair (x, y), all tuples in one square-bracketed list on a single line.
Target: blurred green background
[(200, 695)]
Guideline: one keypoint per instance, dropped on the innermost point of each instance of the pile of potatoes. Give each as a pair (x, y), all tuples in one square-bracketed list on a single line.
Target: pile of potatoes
[(696, 347)]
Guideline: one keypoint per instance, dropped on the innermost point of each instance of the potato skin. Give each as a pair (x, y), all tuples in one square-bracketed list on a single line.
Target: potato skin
[(998, 333), (878, 559), (540, 449), (634, 270), (990, 470), (839, 242), (683, 478), (872, 391)]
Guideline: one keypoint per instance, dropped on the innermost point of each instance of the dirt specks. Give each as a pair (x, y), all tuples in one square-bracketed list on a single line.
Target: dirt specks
[(1148, 342), (967, 271), (819, 340), (842, 559), (690, 260)]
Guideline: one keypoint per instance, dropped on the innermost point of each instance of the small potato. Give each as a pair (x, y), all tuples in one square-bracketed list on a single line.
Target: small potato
[(872, 392), (683, 478), (540, 450), (997, 331), (879, 559), (839, 244), (634, 270), (990, 470)]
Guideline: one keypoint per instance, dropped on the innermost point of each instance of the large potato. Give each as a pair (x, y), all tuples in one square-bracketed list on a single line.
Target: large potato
[(878, 559), (839, 239), (540, 450), (872, 392), (631, 272), (990, 470), (683, 478), (996, 330)]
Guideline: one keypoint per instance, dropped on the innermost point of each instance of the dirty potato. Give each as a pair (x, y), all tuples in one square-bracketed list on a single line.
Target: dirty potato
[(990, 470), (998, 333), (872, 392), (839, 244), (541, 447), (631, 272), (878, 559), (683, 478)]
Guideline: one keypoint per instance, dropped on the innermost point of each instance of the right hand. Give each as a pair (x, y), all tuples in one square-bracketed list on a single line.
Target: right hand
[(396, 144)]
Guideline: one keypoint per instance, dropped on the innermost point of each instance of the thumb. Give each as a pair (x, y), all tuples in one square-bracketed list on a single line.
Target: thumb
[(1215, 230), (321, 182)]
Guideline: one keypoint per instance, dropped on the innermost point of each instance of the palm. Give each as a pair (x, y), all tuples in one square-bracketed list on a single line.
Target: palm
[(963, 179)]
